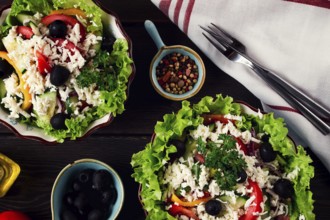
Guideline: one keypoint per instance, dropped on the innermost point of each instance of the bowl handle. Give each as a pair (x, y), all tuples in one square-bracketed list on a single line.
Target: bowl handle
[(153, 32)]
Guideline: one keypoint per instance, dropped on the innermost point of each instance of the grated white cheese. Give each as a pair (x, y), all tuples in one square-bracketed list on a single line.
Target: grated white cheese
[(13, 105), (41, 105), (201, 131), (248, 202), (293, 174), (74, 34)]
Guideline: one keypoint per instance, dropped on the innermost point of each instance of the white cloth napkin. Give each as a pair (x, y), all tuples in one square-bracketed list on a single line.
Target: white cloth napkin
[(286, 37)]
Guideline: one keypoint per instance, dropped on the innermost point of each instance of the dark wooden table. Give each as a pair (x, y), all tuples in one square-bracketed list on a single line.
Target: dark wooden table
[(130, 131)]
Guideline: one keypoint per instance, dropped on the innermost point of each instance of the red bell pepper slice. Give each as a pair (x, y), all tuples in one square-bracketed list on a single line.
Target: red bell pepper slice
[(242, 145), (210, 119), (47, 20), (180, 210), (43, 65), (26, 32), (256, 207)]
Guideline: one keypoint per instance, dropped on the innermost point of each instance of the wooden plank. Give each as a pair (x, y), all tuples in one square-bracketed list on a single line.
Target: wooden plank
[(40, 164)]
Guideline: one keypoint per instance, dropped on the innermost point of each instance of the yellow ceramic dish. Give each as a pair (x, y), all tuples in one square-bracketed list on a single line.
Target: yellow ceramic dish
[(9, 171)]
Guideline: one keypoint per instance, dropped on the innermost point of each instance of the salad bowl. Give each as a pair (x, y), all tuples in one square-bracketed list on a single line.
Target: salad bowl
[(112, 28), (213, 159)]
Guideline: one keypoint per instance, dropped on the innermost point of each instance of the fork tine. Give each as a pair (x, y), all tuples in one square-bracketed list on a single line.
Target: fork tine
[(222, 48), (218, 37), (210, 31), (223, 41), (224, 32)]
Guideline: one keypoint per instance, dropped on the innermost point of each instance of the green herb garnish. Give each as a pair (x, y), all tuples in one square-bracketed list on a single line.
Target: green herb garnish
[(100, 72), (224, 159)]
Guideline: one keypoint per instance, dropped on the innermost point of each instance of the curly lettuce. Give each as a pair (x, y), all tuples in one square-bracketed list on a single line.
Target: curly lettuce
[(147, 164)]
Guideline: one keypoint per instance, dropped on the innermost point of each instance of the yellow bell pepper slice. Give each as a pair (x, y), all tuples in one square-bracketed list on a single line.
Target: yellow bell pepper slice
[(196, 202), (24, 89), (70, 11)]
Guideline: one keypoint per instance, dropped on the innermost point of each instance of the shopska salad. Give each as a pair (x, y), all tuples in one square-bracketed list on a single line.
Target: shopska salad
[(211, 161), (60, 68)]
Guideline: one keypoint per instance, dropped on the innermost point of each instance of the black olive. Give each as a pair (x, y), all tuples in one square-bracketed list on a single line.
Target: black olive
[(59, 75), (213, 207), (109, 196), (69, 215), (5, 68), (242, 176), (107, 43), (284, 188), (267, 152), (265, 138), (77, 186), (81, 202), (180, 147), (58, 29), (86, 176), (69, 198), (95, 214), (58, 121), (102, 180)]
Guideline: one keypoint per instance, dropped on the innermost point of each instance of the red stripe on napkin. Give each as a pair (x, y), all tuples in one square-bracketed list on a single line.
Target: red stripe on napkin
[(177, 11), (164, 6), (187, 15), (319, 3)]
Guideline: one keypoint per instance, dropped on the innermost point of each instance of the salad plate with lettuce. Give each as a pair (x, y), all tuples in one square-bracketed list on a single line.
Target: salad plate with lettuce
[(65, 68), (218, 160)]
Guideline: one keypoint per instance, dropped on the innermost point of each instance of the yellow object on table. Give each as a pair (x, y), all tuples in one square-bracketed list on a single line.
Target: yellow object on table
[(9, 171)]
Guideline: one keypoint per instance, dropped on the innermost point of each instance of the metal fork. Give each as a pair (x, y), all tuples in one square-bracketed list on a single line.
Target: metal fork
[(235, 51)]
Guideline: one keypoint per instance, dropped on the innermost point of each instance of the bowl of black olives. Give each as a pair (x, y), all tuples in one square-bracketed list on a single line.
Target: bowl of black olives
[(87, 189)]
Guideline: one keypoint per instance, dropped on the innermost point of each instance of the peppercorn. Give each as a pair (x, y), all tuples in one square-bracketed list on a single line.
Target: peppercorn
[(177, 73)]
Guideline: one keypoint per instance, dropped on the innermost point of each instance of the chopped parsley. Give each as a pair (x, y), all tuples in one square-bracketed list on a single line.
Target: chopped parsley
[(99, 71), (224, 159)]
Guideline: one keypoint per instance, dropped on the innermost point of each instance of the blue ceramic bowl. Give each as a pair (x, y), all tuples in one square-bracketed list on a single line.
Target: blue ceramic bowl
[(65, 178), (164, 50)]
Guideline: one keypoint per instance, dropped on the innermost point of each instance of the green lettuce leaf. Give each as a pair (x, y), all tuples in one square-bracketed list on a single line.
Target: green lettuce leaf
[(23, 6)]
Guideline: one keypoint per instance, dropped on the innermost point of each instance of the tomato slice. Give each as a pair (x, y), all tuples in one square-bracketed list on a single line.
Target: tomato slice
[(47, 20), (26, 32), (43, 65), (257, 193), (242, 146), (210, 119), (199, 157), (180, 210)]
